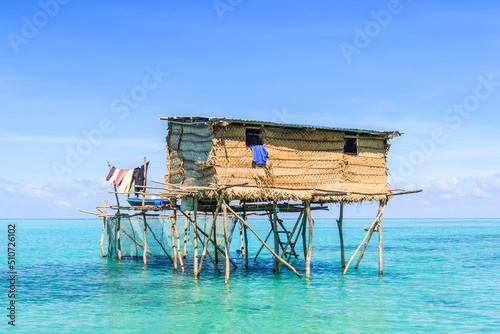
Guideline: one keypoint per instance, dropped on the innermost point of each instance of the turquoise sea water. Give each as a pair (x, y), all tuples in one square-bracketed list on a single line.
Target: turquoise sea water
[(439, 276)]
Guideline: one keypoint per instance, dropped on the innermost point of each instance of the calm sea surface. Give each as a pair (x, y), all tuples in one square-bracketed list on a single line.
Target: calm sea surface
[(439, 276)]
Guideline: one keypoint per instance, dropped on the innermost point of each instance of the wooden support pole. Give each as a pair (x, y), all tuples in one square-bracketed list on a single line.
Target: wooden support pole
[(174, 250), (205, 235), (185, 239), (304, 227), (216, 213), (216, 231), (364, 247), (245, 236), (382, 207), (380, 247), (119, 246), (242, 247), (179, 257), (274, 223), (341, 235), (309, 247), (103, 229), (145, 241), (262, 247), (262, 241), (195, 238), (144, 183), (226, 243)]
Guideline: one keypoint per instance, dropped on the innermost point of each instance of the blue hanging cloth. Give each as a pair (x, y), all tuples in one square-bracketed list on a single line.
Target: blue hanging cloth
[(259, 154)]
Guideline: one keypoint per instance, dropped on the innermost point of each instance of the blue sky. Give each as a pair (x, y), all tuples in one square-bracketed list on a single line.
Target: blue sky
[(82, 82)]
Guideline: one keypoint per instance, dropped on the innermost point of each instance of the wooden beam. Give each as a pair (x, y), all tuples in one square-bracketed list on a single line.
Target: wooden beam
[(380, 247), (195, 239), (341, 235), (145, 241), (226, 243), (309, 247), (274, 223)]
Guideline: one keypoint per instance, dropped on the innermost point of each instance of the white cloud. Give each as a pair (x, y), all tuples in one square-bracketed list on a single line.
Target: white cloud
[(10, 189), (62, 203), (36, 190)]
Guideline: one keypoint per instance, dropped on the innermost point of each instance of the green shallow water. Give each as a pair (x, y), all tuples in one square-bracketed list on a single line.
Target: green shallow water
[(439, 276)]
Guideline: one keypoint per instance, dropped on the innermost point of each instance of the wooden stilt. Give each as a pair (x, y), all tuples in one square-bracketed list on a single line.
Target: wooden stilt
[(383, 205), (216, 231), (276, 237), (144, 182), (380, 247), (185, 239), (212, 228), (262, 241), (242, 247), (145, 241), (309, 248), (179, 256), (195, 238), (205, 235), (245, 236), (174, 250), (103, 227), (304, 227), (226, 243), (341, 235), (118, 239)]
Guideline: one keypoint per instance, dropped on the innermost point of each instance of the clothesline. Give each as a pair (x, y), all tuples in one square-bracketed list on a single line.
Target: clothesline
[(123, 178)]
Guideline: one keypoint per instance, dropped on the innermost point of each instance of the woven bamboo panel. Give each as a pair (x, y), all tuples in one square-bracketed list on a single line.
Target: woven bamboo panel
[(284, 154), (305, 164), (277, 133), (305, 145), (195, 146), (174, 140), (366, 170), (200, 157), (373, 143), (186, 164), (229, 142), (368, 151), (230, 131), (293, 171), (370, 160)]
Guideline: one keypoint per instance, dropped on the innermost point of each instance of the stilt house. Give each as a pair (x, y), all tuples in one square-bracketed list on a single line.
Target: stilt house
[(304, 162)]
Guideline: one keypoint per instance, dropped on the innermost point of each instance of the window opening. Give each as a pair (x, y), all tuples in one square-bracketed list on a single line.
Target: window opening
[(351, 145), (253, 137)]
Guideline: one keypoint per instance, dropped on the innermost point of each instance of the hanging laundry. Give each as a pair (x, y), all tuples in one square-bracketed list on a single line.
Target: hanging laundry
[(121, 175), (259, 154), (114, 176), (110, 173), (138, 178), (126, 182)]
